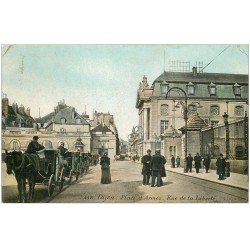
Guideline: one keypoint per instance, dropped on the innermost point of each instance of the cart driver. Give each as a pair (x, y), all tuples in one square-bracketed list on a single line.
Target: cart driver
[(62, 150), (34, 146)]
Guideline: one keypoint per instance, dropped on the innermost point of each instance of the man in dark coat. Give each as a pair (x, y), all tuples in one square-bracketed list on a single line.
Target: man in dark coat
[(157, 166), (206, 162), (221, 165), (145, 160), (172, 162), (34, 146), (62, 150), (197, 162), (189, 163)]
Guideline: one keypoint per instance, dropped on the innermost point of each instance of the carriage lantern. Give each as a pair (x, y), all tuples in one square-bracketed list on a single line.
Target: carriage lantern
[(79, 145)]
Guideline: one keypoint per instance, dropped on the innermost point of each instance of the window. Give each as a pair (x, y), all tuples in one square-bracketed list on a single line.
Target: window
[(78, 130), (239, 111), (164, 109), (214, 123), (216, 151), (164, 126), (15, 145), (238, 130), (192, 109), (239, 152), (78, 120), (63, 120), (212, 89), (215, 110), (164, 87), (237, 90), (190, 88)]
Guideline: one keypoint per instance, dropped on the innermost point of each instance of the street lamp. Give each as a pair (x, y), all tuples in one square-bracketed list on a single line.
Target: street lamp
[(184, 105), (225, 118)]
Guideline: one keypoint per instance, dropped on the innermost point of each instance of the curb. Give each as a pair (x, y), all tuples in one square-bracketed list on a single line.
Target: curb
[(225, 184)]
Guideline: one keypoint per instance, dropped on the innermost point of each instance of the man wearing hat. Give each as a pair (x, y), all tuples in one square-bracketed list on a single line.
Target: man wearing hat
[(221, 165), (34, 146), (62, 149), (145, 160), (157, 165)]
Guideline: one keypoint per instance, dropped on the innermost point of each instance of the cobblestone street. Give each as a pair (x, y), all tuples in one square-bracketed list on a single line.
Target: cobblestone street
[(127, 187)]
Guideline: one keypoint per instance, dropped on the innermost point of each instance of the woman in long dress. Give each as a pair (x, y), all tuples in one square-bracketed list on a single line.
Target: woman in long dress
[(105, 163)]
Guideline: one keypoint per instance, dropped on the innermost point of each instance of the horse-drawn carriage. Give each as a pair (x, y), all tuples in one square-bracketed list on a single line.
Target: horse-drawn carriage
[(47, 167)]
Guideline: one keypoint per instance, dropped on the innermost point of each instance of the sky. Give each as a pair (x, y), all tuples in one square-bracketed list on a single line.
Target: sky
[(102, 77)]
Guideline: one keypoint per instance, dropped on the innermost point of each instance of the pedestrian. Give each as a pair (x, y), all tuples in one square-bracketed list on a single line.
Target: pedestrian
[(189, 163), (34, 146), (172, 162), (145, 160), (206, 162), (105, 163), (197, 162), (157, 168), (62, 150), (178, 161), (221, 165)]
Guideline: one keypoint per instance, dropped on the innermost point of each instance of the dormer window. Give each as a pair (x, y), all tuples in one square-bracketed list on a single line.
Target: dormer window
[(63, 120), (190, 88), (237, 90), (164, 87), (78, 120), (212, 89)]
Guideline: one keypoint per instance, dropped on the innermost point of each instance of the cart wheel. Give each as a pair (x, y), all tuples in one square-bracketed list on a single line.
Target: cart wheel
[(70, 176), (51, 185), (61, 181)]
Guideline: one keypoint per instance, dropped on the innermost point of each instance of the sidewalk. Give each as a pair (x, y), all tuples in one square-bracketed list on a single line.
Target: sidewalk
[(235, 180)]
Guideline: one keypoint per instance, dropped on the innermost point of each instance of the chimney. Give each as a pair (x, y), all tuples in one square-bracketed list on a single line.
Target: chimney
[(21, 109), (194, 69), (5, 106), (27, 111), (73, 113), (15, 107)]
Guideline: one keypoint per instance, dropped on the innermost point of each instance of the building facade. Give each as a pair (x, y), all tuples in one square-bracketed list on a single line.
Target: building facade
[(103, 140), (209, 95), (64, 124)]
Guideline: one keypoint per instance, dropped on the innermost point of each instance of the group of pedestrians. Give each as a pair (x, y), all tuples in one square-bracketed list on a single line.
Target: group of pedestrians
[(220, 164), (154, 167), (197, 163), (177, 161)]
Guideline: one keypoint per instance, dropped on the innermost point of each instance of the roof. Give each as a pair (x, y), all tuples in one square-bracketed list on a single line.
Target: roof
[(63, 113), (70, 115), (16, 117), (45, 118), (101, 128), (224, 85), (201, 77), (194, 123)]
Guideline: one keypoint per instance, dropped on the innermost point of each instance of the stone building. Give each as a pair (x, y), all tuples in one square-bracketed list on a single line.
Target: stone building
[(103, 140), (209, 95), (14, 115), (63, 124), (108, 120)]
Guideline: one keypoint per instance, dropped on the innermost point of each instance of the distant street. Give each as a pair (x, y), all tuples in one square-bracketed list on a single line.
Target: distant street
[(126, 187)]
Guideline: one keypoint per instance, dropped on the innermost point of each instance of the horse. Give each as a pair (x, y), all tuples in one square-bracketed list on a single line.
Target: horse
[(23, 169)]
